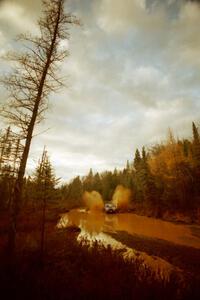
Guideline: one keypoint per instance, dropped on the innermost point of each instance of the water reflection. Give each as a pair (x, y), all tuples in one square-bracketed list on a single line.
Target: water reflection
[(97, 222), (93, 226), (161, 268)]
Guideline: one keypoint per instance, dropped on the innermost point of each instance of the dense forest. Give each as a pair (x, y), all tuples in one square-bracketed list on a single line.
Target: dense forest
[(163, 177)]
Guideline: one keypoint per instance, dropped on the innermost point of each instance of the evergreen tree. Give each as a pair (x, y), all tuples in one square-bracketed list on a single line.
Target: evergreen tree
[(128, 168), (196, 162), (137, 160), (137, 177), (150, 193), (97, 183), (186, 144), (126, 178), (45, 179), (109, 184), (74, 193), (144, 181), (88, 181), (196, 145), (45, 183)]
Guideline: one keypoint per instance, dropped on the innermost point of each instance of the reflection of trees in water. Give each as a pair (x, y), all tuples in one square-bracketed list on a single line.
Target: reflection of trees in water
[(96, 222), (161, 268), (150, 227), (111, 222), (99, 227)]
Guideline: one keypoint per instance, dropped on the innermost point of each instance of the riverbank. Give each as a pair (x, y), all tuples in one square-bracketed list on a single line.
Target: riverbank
[(183, 257), (175, 216), (71, 270)]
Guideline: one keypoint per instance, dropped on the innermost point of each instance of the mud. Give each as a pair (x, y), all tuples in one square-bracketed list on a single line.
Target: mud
[(183, 257)]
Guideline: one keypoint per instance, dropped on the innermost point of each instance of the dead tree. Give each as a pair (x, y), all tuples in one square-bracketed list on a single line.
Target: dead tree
[(11, 150), (34, 77)]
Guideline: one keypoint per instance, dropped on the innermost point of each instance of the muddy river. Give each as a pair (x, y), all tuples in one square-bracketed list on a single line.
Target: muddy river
[(126, 230)]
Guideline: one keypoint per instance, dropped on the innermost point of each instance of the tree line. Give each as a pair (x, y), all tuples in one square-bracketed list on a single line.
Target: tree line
[(165, 176)]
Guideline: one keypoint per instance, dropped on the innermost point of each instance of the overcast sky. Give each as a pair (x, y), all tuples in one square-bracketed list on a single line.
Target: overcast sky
[(133, 72)]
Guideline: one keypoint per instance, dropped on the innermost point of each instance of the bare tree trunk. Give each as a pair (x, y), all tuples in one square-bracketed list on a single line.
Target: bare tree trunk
[(29, 86), (17, 196)]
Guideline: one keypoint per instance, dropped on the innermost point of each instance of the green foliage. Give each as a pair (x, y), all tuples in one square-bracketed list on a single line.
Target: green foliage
[(196, 145), (175, 172), (167, 176), (43, 184), (73, 192), (196, 161)]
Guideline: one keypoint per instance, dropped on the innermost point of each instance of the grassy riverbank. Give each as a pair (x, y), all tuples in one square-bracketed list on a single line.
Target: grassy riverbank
[(184, 257)]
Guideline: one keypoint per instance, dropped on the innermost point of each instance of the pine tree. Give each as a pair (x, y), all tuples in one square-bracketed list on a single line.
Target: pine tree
[(74, 193), (126, 177), (137, 160), (97, 184), (45, 183), (150, 194), (144, 180), (88, 181), (108, 185), (128, 168), (44, 178), (196, 162), (186, 144), (196, 145), (137, 176)]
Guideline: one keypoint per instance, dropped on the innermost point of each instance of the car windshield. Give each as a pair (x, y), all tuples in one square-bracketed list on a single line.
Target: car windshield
[(110, 205)]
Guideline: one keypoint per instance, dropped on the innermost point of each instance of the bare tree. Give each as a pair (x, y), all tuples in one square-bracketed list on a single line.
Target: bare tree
[(31, 82), (10, 157), (10, 152)]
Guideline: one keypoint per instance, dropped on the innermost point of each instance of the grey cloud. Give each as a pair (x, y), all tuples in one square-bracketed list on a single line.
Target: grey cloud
[(127, 81)]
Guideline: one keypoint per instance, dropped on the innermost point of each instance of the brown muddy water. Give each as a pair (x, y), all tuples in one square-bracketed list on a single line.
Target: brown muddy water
[(98, 226)]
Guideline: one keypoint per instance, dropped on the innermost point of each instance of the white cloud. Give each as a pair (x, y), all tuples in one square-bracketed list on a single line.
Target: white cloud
[(119, 16), (16, 17), (186, 42), (2, 43), (133, 72)]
